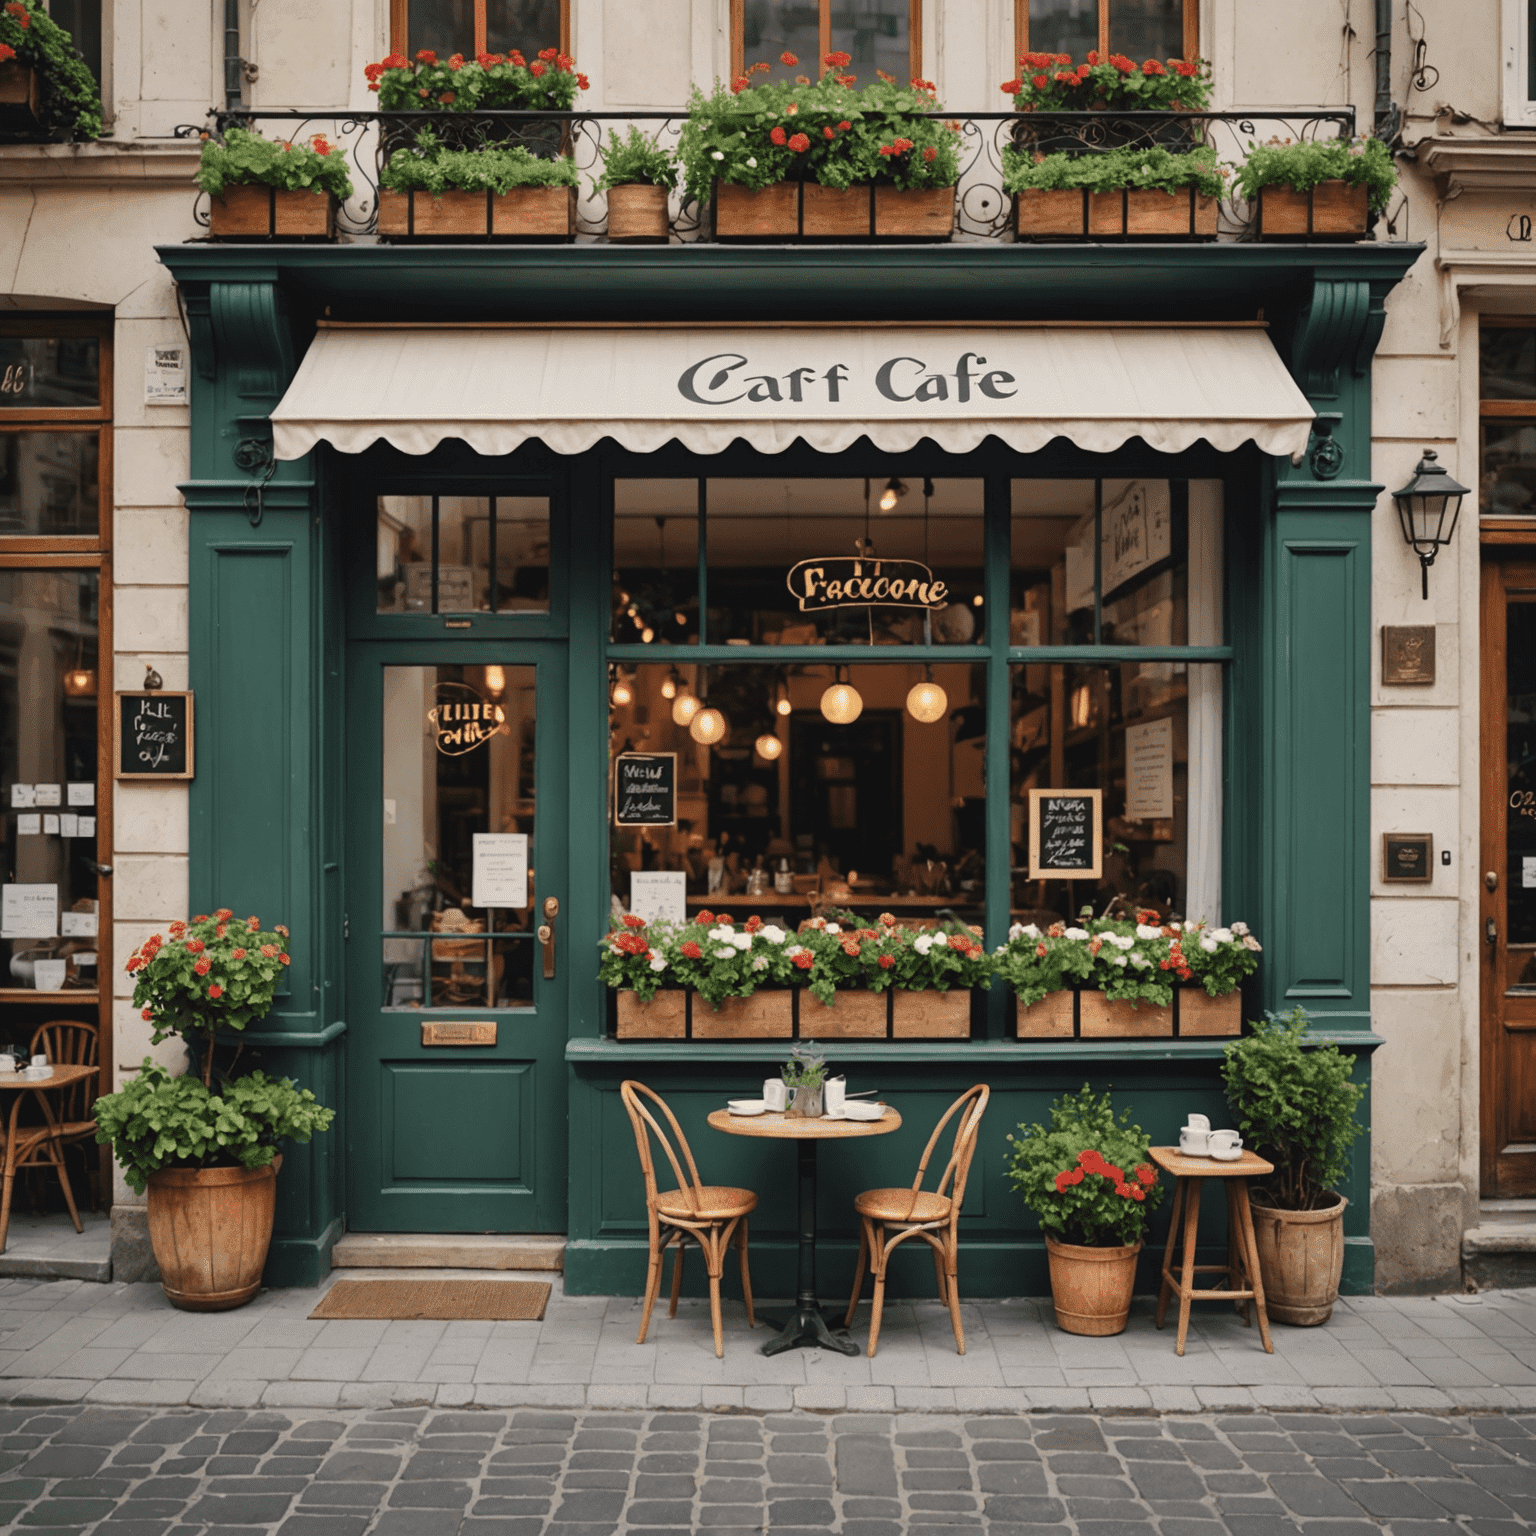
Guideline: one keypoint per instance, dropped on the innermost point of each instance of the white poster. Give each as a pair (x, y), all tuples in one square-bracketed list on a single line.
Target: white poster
[(165, 375), (659, 895), (23, 797), (77, 925), (87, 826), (29, 911), (69, 824), (1137, 532), (29, 825), (1149, 770), (1527, 872), (48, 794), (500, 876), (50, 825), (82, 793)]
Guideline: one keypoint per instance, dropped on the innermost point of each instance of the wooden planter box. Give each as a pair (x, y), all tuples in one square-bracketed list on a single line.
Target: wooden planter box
[(1100, 1019), (1052, 1018), (1332, 211), (763, 1016), (1088, 1015), (926, 213), (665, 1017), (265, 213), (931, 1015), (1200, 1014), (637, 214), (771, 214), (835, 213), (852, 1016), (524, 213), (1124, 215), (808, 211), (793, 1013), (21, 96)]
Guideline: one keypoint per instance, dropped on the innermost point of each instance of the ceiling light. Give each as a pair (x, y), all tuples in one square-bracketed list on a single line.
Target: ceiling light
[(669, 684), (842, 703), (894, 490), (768, 747), (621, 693), (684, 707), (80, 683), (927, 702), (708, 726), (495, 679)]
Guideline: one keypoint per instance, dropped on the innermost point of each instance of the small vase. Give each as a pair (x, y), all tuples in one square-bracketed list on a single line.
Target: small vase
[(805, 1102)]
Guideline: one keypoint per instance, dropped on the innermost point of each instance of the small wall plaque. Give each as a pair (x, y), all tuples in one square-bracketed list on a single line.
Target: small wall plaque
[(467, 1032), (1408, 654), (1407, 857)]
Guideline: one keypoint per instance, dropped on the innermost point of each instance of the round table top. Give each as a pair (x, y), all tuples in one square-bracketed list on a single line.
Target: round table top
[(780, 1126), (58, 1077), (1249, 1166)]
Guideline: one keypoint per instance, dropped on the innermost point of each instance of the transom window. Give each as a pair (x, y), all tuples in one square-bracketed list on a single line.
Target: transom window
[(875, 34), (1142, 29), (479, 26)]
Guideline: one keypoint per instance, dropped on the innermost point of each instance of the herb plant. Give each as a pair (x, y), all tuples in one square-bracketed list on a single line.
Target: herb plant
[(1359, 162), (246, 159), (1295, 1106), (635, 161), (1148, 170), (431, 167), (1050, 82), (1086, 1176), (806, 1067), (71, 99), (489, 81)]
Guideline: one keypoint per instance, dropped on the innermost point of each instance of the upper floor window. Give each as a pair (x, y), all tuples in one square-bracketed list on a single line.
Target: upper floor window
[(876, 34), (1142, 29), (1520, 62), (1507, 374), (480, 26), (82, 20)]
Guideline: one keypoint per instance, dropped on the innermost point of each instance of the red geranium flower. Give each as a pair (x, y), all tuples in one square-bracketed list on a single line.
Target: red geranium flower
[(631, 921), (930, 154), (537, 70), (788, 60), (723, 918), (19, 11), (848, 80), (426, 56), (827, 133), (237, 954), (135, 960), (284, 960), (851, 948), (582, 83), (838, 60), (1138, 1193), (1147, 1174), (706, 917), (754, 923), (1063, 1179), (1012, 87), (1039, 82), (1111, 1172), (887, 961), (1123, 1190), (147, 1014), (692, 950), (487, 60), (194, 946), (203, 966), (1091, 1159), (799, 144), (805, 960), (515, 58), (215, 991), (1185, 67)]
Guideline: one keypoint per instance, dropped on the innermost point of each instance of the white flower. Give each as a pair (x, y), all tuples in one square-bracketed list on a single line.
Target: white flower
[(1139, 960), (833, 928), (795, 949), (1075, 933), (1208, 944), (923, 943), (1177, 927), (1222, 935), (1117, 959), (752, 163), (717, 155), (772, 933), (658, 963), (761, 963), (725, 953), (941, 939), (1249, 942), (1016, 932), (1031, 931), (1143, 931), (724, 933), (742, 941), (1121, 940), (1240, 928)]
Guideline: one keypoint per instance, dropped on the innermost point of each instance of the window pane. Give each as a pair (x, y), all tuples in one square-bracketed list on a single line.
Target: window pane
[(885, 812), (458, 761), (1064, 26), (82, 20), (1509, 469), (655, 562), (467, 528), (1147, 29), (527, 25), (876, 33), (445, 26), (770, 28), (38, 371), (763, 532), (1507, 362), (49, 684), (48, 483)]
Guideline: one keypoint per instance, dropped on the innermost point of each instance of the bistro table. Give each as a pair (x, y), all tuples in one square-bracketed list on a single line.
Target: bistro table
[(22, 1142), (805, 1326)]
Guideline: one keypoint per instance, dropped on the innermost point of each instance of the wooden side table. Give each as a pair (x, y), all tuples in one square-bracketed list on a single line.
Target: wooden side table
[(1242, 1267)]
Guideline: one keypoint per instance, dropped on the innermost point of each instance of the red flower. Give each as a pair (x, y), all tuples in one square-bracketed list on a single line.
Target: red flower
[(424, 93), (202, 917), (1138, 1193), (799, 144), (630, 944), (754, 923), (396, 61), (179, 928), (1093, 56), (759, 68), (805, 960), (321, 146), (1123, 1190), (848, 80), (930, 154), (1063, 1179), (147, 1014), (692, 950), (1124, 65), (223, 914), (19, 11), (448, 98), (252, 923), (515, 58), (237, 954), (135, 960), (1147, 1174), (549, 54), (851, 948), (887, 961), (426, 56), (706, 917), (203, 966), (838, 60), (1041, 951), (283, 960), (788, 60), (219, 931), (1039, 82), (1077, 1175), (631, 921), (215, 991), (487, 60), (827, 133), (1012, 87), (194, 946), (1091, 1159), (1111, 1172), (455, 61), (269, 950), (582, 83), (1185, 67), (536, 69)]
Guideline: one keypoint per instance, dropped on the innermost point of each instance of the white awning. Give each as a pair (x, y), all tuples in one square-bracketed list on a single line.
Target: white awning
[(495, 387)]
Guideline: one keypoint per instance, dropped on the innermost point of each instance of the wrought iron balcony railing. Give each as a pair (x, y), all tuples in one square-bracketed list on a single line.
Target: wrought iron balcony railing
[(983, 206)]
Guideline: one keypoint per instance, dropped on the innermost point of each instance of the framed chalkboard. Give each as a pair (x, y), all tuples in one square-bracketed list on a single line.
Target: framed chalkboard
[(645, 789), (1066, 834), (152, 735)]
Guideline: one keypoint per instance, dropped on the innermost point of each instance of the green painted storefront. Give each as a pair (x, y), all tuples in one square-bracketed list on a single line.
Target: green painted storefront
[(286, 678)]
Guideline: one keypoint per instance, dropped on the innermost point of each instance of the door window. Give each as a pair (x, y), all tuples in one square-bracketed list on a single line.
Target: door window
[(462, 554), (1520, 824)]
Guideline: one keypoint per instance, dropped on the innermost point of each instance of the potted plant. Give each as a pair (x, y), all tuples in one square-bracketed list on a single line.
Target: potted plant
[(1324, 187), (637, 176), (265, 189), (1295, 1105), (822, 159), (46, 91), (1120, 194), (204, 1145), (431, 190), (1088, 1180), (805, 1075)]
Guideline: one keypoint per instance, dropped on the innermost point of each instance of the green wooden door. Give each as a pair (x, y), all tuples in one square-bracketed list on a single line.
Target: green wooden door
[(456, 786)]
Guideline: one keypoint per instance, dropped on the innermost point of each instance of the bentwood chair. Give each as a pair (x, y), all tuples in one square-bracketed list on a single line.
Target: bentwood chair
[(888, 1217), (70, 1043), (713, 1216)]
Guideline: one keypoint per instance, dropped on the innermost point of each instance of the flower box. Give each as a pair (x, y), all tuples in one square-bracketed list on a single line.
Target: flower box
[(637, 214), (257, 212), (766, 1015), (1332, 210), (1041, 215), (923, 213), (665, 1017), (534, 213), (21, 95), (770, 214), (1054, 1017), (835, 213), (931, 1015), (1089, 1015), (524, 213), (853, 1016), (793, 210), (1100, 1019), (1127, 214), (1200, 1014)]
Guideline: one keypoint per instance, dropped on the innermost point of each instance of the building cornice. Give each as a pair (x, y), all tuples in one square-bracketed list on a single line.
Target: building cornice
[(163, 164), (1504, 162)]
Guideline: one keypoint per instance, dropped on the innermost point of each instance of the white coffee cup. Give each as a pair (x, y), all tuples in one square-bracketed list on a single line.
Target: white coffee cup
[(1227, 1146), (1194, 1142), (1199, 1123), (775, 1094), (40, 1060), (834, 1095), (7, 1063)]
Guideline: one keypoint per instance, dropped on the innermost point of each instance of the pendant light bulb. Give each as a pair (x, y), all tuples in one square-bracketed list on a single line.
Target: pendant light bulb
[(708, 727), (684, 707), (669, 685), (622, 694), (781, 704), (927, 702), (894, 490), (842, 703), (769, 747)]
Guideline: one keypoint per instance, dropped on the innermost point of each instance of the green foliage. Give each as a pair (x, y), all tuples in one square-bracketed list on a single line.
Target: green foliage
[(159, 1121), (1295, 1106), (1148, 170), (71, 99), (504, 82), (432, 167), (635, 160), (806, 1067), (246, 159), (1363, 162), (1086, 1176), (851, 955), (1050, 82)]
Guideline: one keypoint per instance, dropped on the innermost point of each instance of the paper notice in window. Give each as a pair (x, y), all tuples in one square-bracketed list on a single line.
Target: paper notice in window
[(29, 911), (500, 877), (87, 826), (82, 793), (1527, 872), (50, 826), (29, 825), (659, 895), (69, 824), (23, 797), (1149, 770), (49, 794), (77, 925)]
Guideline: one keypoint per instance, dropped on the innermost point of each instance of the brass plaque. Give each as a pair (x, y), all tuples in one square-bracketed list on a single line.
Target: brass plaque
[(1408, 654), (466, 1032), (1408, 857)]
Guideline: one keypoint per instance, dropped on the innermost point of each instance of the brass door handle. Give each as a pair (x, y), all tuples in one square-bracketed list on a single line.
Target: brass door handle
[(546, 935)]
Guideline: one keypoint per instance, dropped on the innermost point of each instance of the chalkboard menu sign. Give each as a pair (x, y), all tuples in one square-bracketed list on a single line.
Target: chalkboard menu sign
[(645, 789), (152, 734), (1066, 834)]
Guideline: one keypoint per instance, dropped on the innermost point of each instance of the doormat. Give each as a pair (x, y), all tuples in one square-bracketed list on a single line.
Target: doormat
[(495, 1301)]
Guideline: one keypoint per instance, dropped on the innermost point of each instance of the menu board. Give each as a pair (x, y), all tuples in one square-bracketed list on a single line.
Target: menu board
[(1066, 834), (645, 789), (153, 735)]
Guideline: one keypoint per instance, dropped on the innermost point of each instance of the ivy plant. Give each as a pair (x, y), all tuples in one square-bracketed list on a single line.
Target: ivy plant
[(244, 159), (430, 166), (1363, 162), (71, 99), (635, 161), (1295, 1105)]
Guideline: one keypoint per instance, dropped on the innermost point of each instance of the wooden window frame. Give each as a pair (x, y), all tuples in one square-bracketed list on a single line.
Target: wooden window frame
[(824, 36), (1191, 28), (400, 26)]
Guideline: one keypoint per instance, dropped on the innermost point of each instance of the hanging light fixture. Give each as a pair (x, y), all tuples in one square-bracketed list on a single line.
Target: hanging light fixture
[(685, 706), (927, 702), (1427, 508), (495, 680), (842, 703), (894, 490), (621, 694), (669, 684), (708, 725), (781, 704), (768, 747)]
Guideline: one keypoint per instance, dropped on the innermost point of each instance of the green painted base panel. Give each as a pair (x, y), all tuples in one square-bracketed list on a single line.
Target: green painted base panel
[(301, 1261)]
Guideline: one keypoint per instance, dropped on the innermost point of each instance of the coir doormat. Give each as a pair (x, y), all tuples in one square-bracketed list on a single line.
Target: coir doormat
[(496, 1301)]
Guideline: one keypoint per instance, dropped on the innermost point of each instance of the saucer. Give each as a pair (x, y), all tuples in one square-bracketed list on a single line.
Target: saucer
[(746, 1106), (1234, 1156), (853, 1111)]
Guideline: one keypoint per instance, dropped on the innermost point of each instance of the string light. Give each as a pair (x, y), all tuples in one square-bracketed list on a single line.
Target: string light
[(894, 490), (768, 747), (842, 703), (708, 726), (684, 707), (621, 694), (669, 684)]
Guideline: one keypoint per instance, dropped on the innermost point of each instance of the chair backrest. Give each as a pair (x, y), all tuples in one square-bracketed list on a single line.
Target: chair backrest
[(70, 1043), (646, 1126), (969, 1108)]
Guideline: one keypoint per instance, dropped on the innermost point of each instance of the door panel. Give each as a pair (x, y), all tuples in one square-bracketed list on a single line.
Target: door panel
[(1508, 1074), (456, 845)]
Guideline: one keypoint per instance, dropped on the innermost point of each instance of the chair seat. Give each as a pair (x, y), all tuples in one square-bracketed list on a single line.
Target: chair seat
[(716, 1202), (898, 1205)]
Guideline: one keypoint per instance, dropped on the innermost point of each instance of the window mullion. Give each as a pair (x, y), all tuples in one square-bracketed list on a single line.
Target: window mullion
[(823, 35), (480, 27)]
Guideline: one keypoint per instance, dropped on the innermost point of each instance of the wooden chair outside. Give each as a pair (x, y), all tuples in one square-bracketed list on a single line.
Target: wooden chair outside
[(713, 1216), (71, 1043), (889, 1217)]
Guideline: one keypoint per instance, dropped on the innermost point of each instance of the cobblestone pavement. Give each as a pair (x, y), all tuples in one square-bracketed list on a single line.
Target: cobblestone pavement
[(533, 1472)]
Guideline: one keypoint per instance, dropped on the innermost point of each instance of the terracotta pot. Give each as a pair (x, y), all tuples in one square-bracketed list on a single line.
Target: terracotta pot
[(852, 1016), (265, 212), (210, 1228), (1049, 1019), (770, 214), (1301, 1257), (1091, 1286), (665, 1017), (1334, 210), (637, 214), (931, 1015)]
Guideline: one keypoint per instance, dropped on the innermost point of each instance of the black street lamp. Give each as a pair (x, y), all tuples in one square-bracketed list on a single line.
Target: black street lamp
[(1428, 507)]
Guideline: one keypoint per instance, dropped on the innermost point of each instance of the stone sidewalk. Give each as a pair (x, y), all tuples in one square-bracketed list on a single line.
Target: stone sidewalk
[(68, 1341)]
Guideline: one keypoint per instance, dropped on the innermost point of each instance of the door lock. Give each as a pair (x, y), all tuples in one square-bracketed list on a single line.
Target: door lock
[(1491, 879), (1491, 932), (546, 935)]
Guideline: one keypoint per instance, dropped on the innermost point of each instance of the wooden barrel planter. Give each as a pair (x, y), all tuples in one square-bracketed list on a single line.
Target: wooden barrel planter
[(210, 1229), (1332, 210), (1301, 1260), (1128, 214), (808, 211), (524, 213), (1091, 1287), (268, 213), (637, 214)]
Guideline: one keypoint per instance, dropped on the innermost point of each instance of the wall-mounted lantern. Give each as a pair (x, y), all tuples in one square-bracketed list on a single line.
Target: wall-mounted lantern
[(1428, 507)]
